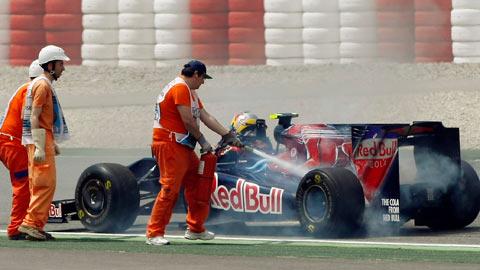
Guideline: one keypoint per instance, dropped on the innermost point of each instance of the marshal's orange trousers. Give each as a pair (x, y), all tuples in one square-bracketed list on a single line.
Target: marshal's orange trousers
[(178, 166), (43, 180), (14, 156)]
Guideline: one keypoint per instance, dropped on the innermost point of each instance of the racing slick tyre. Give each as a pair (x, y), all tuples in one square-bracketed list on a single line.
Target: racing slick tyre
[(321, 50), (245, 19), (321, 20), (58, 22), (461, 60), (396, 34), (283, 36), (172, 21), (320, 6), (330, 201), (4, 20), (283, 6), (434, 33), (465, 33), (465, 17), (320, 35), (5, 36), (242, 5), (63, 7), (462, 204), (358, 19), (466, 49), (432, 49), (208, 6), (171, 6), (139, 6), (100, 21), (433, 5), (283, 20), (26, 22), (99, 51), (356, 5), (24, 37), (209, 35), (107, 198), (137, 36), (432, 18), (465, 4), (245, 35), (64, 37), (99, 6), (358, 34), (175, 36), (100, 36), (136, 20)]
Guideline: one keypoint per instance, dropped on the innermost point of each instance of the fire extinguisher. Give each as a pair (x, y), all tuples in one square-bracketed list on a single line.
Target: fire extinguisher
[(206, 170)]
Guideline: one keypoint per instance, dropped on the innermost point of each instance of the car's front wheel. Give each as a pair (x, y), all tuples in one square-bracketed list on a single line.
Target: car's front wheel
[(107, 198)]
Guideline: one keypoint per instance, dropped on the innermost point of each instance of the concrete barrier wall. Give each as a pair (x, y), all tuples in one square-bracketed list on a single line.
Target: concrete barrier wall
[(154, 33)]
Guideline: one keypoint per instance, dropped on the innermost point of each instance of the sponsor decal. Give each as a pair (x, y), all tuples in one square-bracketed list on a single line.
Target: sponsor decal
[(372, 159), (376, 149), (246, 197), (80, 214), (55, 212), (392, 207), (108, 185)]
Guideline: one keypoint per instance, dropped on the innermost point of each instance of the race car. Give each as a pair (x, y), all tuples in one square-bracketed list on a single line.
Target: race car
[(333, 179)]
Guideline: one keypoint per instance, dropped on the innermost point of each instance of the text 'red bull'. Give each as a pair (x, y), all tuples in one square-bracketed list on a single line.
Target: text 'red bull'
[(372, 159), (246, 197), (376, 149)]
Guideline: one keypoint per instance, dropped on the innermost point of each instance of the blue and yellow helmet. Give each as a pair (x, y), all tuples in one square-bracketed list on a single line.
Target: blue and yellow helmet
[(244, 123)]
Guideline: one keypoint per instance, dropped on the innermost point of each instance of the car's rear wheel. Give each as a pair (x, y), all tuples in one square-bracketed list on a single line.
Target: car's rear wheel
[(107, 198), (330, 201), (462, 204)]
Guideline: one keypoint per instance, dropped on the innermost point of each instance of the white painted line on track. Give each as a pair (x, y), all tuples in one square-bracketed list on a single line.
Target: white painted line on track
[(283, 240)]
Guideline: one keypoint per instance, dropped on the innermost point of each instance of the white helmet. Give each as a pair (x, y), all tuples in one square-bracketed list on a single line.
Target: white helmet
[(51, 53), (35, 69)]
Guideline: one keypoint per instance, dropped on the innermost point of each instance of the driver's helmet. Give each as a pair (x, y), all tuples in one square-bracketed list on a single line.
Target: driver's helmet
[(244, 124)]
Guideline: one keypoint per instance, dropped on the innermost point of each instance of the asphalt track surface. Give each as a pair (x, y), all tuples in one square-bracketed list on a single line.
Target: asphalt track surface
[(70, 166)]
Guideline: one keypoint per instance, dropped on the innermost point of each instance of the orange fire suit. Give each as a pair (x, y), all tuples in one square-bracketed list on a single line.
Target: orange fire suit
[(178, 164), (42, 175), (14, 156)]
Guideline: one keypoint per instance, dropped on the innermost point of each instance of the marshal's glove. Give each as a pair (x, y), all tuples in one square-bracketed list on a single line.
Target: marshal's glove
[(231, 139), (204, 144), (57, 150), (38, 136)]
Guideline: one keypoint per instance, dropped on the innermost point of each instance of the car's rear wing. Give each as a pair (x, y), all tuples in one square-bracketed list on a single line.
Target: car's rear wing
[(375, 157)]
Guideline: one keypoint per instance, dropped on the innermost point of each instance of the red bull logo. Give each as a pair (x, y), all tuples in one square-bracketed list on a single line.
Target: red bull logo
[(55, 212), (376, 149), (372, 160), (246, 197)]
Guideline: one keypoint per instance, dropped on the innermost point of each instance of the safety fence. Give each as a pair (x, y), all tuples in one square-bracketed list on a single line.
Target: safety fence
[(154, 33)]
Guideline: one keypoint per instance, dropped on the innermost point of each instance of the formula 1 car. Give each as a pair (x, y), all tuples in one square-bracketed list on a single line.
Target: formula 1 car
[(332, 178)]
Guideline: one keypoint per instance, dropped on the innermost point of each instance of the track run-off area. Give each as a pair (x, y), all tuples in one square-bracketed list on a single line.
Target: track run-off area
[(260, 247)]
